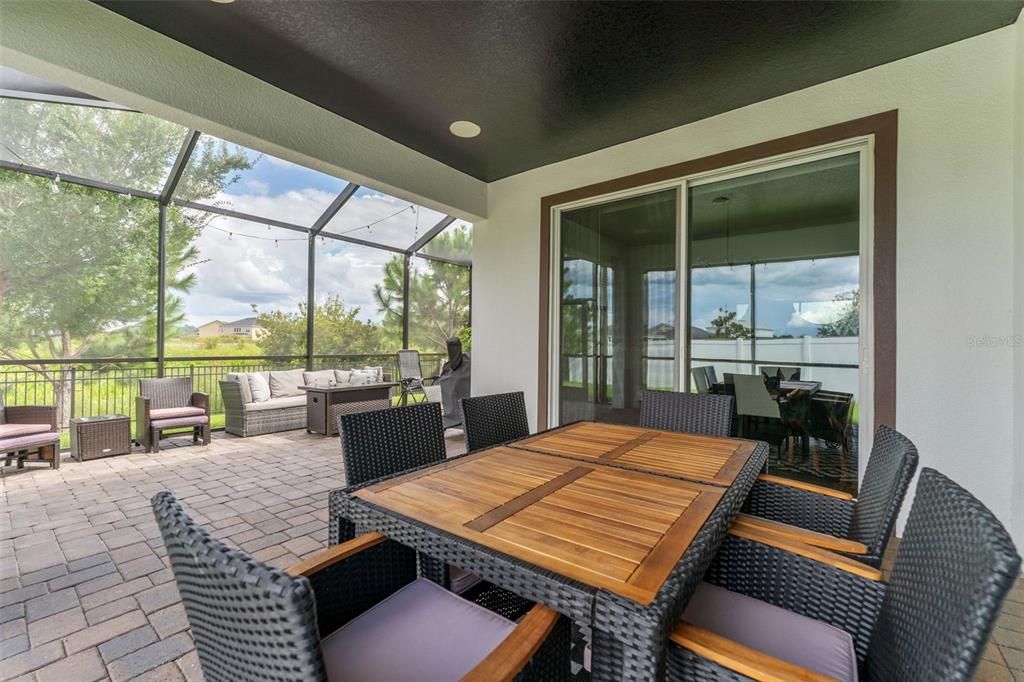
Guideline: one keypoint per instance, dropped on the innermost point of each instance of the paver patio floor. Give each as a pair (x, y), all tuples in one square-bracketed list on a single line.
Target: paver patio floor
[(85, 593)]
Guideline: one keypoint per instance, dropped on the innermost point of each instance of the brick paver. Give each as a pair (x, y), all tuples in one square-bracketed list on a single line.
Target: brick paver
[(85, 591)]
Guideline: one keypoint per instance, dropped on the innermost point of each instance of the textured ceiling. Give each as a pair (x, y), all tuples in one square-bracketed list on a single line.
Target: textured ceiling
[(552, 80)]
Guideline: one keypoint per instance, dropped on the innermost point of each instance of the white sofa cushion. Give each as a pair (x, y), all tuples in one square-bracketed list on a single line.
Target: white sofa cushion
[(258, 387), (286, 383), (281, 403), (320, 378)]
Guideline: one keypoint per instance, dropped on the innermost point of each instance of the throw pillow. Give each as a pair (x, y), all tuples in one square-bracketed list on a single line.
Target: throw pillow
[(259, 388), (378, 373), (286, 383), (343, 376), (361, 377), (242, 379), (321, 378)]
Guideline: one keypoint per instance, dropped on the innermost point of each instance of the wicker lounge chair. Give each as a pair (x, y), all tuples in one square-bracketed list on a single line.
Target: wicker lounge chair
[(702, 413), (355, 611), (29, 429), (493, 419), (772, 610), (166, 404), (867, 521)]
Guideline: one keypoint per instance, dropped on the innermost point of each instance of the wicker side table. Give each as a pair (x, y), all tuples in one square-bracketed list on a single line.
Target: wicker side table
[(94, 437)]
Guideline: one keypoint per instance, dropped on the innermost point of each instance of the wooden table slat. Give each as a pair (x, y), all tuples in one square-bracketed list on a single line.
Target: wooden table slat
[(704, 459)]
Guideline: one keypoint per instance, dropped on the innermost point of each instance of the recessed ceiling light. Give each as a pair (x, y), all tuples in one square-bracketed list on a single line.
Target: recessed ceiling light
[(464, 129), (223, 2)]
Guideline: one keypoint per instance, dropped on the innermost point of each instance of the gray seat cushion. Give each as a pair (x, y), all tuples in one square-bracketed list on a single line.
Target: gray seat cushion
[(276, 404), (175, 412), (29, 441), (195, 420), (13, 430), (421, 633), (774, 631)]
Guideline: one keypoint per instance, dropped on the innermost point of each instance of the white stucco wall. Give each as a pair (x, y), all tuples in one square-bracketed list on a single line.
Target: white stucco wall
[(1018, 485), (955, 244)]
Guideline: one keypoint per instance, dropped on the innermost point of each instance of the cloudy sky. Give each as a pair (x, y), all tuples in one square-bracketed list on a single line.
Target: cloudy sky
[(793, 298), (241, 265)]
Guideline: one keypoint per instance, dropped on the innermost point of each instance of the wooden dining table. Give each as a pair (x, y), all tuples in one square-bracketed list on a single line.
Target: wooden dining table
[(589, 519)]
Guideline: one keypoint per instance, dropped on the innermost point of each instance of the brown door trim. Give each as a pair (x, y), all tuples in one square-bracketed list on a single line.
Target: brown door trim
[(883, 127)]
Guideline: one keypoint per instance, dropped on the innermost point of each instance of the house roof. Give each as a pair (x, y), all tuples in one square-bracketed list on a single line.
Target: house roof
[(244, 322)]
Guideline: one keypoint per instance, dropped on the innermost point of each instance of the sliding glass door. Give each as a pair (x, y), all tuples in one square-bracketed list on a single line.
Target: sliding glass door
[(757, 270), (617, 306), (774, 291)]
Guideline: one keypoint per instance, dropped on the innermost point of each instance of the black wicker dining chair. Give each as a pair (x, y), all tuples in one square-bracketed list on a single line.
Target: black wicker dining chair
[(352, 612), (865, 523), (387, 442), (770, 610), (702, 413), (494, 419)]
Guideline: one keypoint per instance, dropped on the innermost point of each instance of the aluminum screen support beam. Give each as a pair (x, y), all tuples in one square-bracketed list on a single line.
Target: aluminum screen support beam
[(161, 287), (405, 301), (431, 233), (180, 163), (310, 299), (335, 206)]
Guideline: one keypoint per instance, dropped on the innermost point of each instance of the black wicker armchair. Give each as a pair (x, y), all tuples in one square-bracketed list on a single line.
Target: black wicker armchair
[(386, 442), (170, 404), (702, 413), (772, 610), (832, 519), (494, 419), (353, 612)]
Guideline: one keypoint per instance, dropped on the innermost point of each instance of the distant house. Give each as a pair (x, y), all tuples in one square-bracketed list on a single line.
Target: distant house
[(210, 329), (247, 326)]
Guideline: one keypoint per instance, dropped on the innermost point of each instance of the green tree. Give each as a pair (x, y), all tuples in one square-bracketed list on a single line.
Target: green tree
[(848, 321), (79, 265), (438, 295), (338, 330), (725, 326)]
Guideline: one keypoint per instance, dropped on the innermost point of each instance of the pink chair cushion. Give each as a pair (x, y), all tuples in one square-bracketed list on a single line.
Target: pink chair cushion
[(771, 630), (175, 412), (422, 632), (179, 421), (33, 440), (14, 430)]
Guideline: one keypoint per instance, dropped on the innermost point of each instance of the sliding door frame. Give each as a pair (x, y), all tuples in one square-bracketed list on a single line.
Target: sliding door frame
[(877, 251)]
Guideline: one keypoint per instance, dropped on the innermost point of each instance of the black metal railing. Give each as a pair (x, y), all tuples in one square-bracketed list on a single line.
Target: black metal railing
[(88, 388)]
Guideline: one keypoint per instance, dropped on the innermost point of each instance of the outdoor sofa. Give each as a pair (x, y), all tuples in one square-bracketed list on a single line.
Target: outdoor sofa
[(251, 410)]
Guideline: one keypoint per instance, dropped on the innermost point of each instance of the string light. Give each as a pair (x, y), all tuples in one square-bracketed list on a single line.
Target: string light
[(54, 187), (96, 207)]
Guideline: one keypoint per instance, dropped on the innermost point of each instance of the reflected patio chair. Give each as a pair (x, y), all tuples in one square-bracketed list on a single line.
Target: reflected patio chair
[(701, 379), (784, 373), (759, 414), (867, 520), (490, 420), (411, 379), (701, 413), (772, 609), (356, 611)]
